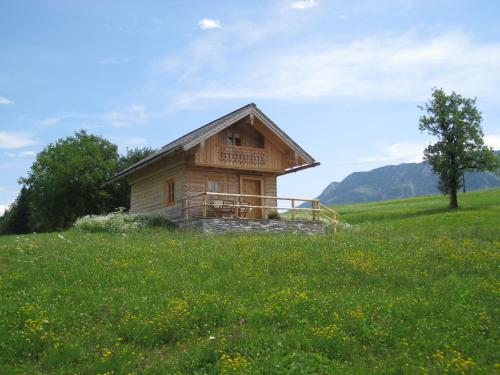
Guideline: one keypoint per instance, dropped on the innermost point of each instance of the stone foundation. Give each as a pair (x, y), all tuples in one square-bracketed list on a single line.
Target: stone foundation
[(222, 225)]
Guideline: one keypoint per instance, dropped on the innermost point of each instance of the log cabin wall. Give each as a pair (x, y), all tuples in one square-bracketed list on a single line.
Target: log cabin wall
[(252, 151), (197, 177), (196, 180), (148, 188)]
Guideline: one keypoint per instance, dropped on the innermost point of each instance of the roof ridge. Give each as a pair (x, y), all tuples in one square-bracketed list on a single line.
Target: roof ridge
[(208, 124), (187, 141)]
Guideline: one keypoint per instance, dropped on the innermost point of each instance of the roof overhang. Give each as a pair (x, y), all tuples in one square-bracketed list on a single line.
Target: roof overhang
[(140, 165), (300, 168), (209, 130)]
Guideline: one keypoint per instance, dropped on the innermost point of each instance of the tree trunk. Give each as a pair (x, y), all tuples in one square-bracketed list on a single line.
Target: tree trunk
[(453, 199), (454, 181)]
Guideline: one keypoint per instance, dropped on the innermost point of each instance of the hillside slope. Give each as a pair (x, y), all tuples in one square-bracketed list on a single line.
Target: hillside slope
[(408, 287)]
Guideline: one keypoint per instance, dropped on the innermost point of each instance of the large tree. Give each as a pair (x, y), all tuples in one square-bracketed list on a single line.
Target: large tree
[(16, 219), (456, 122), (64, 181)]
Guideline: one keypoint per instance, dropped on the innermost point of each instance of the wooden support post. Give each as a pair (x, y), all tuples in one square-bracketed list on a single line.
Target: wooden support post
[(205, 205), (237, 206), (293, 209), (315, 206), (186, 209)]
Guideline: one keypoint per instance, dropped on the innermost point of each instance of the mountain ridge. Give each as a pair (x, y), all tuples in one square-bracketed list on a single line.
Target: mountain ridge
[(394, 182)]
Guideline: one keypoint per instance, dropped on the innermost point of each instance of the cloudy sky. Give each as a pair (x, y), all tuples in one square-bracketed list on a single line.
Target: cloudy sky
[(343, 78)]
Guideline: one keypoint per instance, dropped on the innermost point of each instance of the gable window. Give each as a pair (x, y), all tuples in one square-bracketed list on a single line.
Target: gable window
[(170, 192), (233, 138), (214, 184)]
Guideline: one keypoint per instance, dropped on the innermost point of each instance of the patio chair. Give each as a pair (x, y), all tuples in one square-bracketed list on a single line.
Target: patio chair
[(243, 211), (228, 208), (217, 207)]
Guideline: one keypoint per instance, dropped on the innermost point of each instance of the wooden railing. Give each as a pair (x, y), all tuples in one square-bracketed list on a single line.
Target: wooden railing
[(228, 205), (329, 215), (241, 156)]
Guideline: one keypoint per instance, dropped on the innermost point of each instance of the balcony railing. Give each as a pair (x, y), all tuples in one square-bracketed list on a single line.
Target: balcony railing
[(240, 206), (241, 156)]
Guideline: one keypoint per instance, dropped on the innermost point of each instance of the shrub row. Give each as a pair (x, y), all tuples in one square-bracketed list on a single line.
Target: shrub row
[(118, 222)]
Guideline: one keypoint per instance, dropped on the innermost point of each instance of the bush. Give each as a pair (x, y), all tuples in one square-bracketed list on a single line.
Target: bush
[(118, 222), (274, 216)]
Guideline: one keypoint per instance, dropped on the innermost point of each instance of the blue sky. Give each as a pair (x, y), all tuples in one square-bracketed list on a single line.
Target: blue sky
[(343, 78)]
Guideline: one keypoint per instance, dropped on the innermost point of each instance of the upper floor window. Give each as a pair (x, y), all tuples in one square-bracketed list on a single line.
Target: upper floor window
[(233, 138)]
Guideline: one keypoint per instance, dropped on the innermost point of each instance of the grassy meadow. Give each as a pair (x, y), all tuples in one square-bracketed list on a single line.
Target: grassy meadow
[(406, 287)]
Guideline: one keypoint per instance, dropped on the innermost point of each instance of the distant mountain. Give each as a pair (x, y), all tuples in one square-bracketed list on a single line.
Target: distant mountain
[(396, 181), (328, 192)]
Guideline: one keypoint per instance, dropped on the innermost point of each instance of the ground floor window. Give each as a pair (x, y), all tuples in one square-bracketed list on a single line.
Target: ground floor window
[(170, 192), (214, 184)]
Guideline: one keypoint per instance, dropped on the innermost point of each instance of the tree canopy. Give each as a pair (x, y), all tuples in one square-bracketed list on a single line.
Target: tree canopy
[(16, 219), (456, 122), (64, 181)]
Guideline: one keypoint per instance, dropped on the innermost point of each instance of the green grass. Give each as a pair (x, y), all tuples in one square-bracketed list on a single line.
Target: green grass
[(408, 288)]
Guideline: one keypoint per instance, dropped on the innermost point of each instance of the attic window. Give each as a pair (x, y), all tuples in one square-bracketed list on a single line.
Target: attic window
[(233, 138)]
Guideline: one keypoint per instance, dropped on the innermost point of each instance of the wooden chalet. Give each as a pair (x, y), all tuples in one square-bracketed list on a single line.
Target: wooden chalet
[(224, 169)]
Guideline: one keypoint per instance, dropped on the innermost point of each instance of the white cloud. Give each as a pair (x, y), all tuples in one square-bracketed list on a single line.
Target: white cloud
[(130, 116), (492, 140), (52, 120), (5, 101), (402, 152), (208, 23), (395, 68), (304, 4), (15, 140), (20, 154), (3, 207), (127, 116), (168, 64)]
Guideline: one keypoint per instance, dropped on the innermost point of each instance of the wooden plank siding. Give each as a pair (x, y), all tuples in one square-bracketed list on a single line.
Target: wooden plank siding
[(148, 188), (196, 182), (270, 189), (277, 156)]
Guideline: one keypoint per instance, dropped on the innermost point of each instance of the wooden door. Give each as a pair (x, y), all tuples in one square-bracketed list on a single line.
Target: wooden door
[(252, 186)]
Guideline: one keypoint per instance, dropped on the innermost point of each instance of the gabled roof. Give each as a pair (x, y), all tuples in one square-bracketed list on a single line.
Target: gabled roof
[(195, 137)]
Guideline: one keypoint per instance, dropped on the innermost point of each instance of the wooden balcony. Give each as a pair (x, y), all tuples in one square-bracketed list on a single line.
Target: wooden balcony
[(267, 159), (238, 206), (238, 156)]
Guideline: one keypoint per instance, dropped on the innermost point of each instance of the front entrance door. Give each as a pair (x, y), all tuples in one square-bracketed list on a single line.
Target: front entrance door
[(252, 186)]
